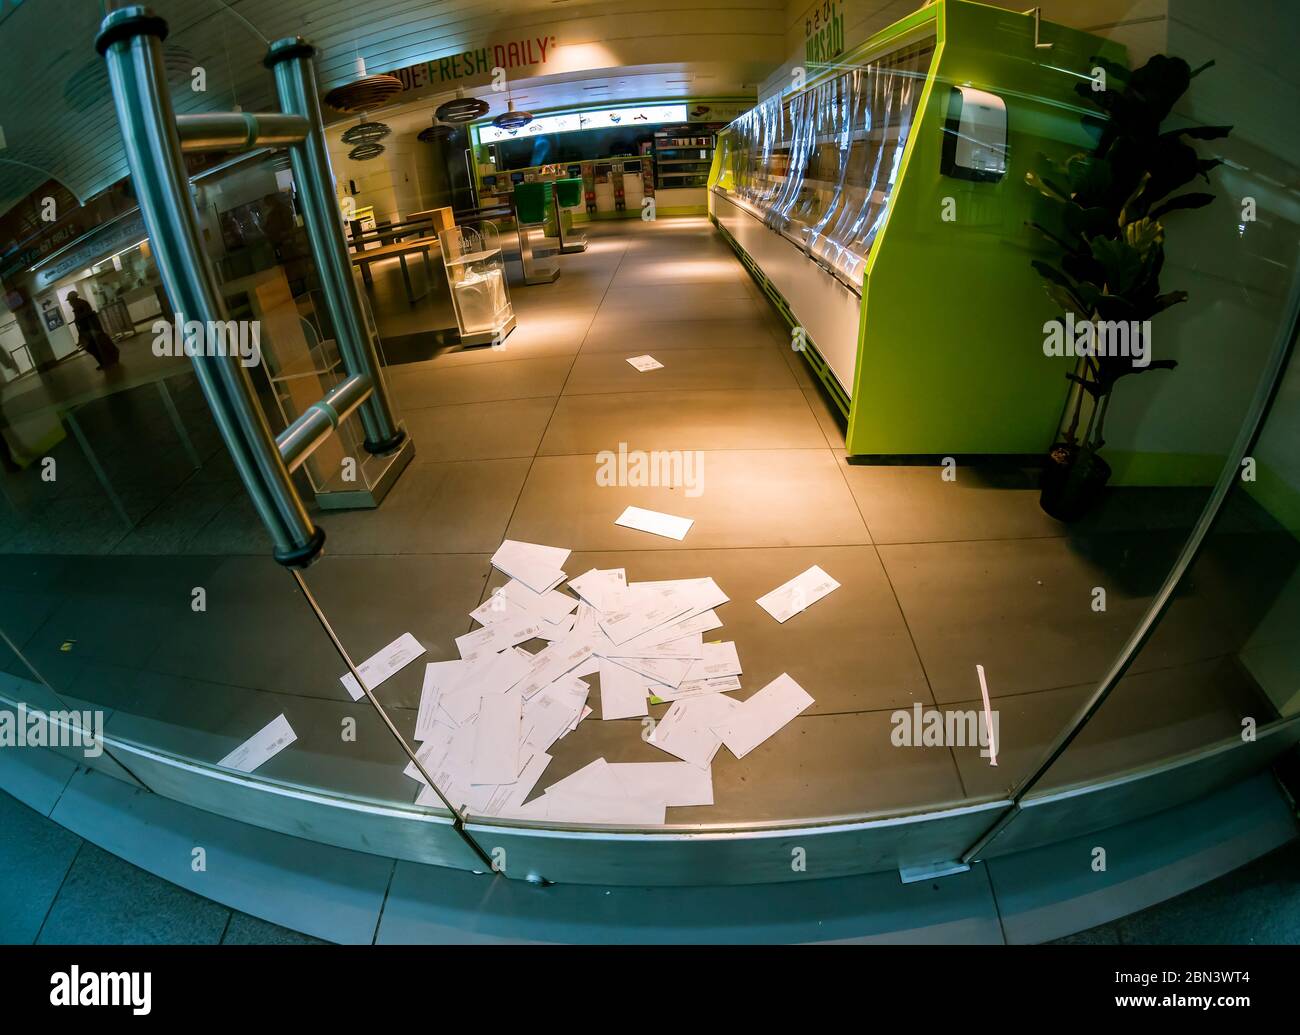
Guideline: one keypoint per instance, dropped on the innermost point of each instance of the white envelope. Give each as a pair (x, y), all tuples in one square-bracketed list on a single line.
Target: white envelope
[(804, 589), (762, 715), (262, 746), (382, 664), (655, 522)]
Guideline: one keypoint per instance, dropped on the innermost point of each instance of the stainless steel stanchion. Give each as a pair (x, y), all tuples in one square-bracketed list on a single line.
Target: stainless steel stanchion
[(130, 41), (295, 83)]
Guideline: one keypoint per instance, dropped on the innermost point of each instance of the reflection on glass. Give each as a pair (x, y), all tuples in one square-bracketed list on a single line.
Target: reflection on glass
[(820, 165)]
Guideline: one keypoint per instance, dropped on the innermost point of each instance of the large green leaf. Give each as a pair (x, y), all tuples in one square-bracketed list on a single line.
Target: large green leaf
[(1089, 178), (1088, 222), (1046, 187), (1182, 201), (1122, 262), (1143, 235), (1200, 132)]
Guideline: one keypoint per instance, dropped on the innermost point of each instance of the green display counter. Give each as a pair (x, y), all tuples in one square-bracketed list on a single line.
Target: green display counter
[(882, 208)]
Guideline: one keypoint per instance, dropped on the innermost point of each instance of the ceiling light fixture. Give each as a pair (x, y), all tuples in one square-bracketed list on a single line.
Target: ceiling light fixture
[(365, 133), (365, 152), (461, 109), (435, 132), (511, 119), (364, 92)]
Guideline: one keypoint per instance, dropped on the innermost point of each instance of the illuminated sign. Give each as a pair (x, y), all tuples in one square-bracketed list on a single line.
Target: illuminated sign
[(604, 118)]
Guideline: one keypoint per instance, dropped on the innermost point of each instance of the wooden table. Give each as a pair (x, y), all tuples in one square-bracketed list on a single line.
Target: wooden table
[(399, 251), (392, 232)]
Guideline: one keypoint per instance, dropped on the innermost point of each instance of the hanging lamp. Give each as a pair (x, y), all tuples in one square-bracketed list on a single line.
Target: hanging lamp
[(364, 92)]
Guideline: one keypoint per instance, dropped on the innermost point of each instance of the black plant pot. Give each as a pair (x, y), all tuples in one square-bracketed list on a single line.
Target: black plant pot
[(1072, 481)]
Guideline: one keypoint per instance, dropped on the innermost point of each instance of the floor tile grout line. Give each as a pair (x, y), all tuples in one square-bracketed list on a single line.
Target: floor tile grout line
[(993, 893), (916, 650), (523, 484), (383, 905), (81, 843)]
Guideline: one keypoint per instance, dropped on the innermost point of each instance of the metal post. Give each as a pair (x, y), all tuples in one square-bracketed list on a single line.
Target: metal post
[(295, 84), (130, 40)]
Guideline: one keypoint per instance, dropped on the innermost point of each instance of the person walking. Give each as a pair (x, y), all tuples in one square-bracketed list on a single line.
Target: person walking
[(90, 332)]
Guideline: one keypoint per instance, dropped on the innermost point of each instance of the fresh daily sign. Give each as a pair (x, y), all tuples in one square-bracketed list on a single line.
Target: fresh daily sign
[(532, 52)]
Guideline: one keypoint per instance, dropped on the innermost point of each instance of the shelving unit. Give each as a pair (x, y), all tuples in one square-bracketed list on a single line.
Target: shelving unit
[(682, 158)]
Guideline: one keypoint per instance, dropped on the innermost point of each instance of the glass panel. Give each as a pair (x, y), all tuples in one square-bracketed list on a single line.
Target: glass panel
[(1225, 659), (136, 579)]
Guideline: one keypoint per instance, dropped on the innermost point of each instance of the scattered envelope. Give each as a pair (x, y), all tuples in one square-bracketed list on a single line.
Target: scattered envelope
[(762, 715), (686, 730), (805, 589), (622, 692), (603, 590), (656, 523), (378, 667), (438, 675), (262, 746), (673, 783), (644, 363), (496, 740), (537, 567)]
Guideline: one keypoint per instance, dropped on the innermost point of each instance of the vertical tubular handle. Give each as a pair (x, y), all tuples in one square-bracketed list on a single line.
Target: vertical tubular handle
[(130, 41), (290, 59)]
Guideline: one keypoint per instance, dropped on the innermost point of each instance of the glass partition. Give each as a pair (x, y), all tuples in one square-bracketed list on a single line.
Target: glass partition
[(136, 579), (136, 575), (819, 165)]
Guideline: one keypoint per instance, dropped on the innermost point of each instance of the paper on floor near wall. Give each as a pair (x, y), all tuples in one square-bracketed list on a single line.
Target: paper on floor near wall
[(575, 807), (438, 676), (379, 666), (492, 639), (656, 523), (686, 728), (514, 600), (694, 688), (762, 715), (640, 612), (537, 567), (496, 740), (804, 589), (720, 659), (645, 363), (265, 744), (601, 589), (622, 692), (673, 783)]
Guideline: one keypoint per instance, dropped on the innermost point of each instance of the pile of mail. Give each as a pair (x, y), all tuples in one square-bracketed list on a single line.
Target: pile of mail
[(488, 720)]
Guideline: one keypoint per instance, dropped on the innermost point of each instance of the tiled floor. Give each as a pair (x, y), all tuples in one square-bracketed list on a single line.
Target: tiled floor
[(937, 575), (61, 890)]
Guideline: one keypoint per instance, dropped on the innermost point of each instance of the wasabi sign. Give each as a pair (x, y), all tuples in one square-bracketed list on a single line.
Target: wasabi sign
[(823, 32)]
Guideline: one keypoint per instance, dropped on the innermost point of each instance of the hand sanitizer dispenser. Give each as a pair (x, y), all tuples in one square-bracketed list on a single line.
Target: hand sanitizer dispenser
[(975, 136)]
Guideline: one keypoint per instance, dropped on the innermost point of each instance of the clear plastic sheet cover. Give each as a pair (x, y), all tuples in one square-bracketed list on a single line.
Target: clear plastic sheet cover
[(820, 166)]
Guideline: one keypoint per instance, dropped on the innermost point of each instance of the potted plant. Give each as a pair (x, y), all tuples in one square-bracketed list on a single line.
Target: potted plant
[(1105, 223)]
